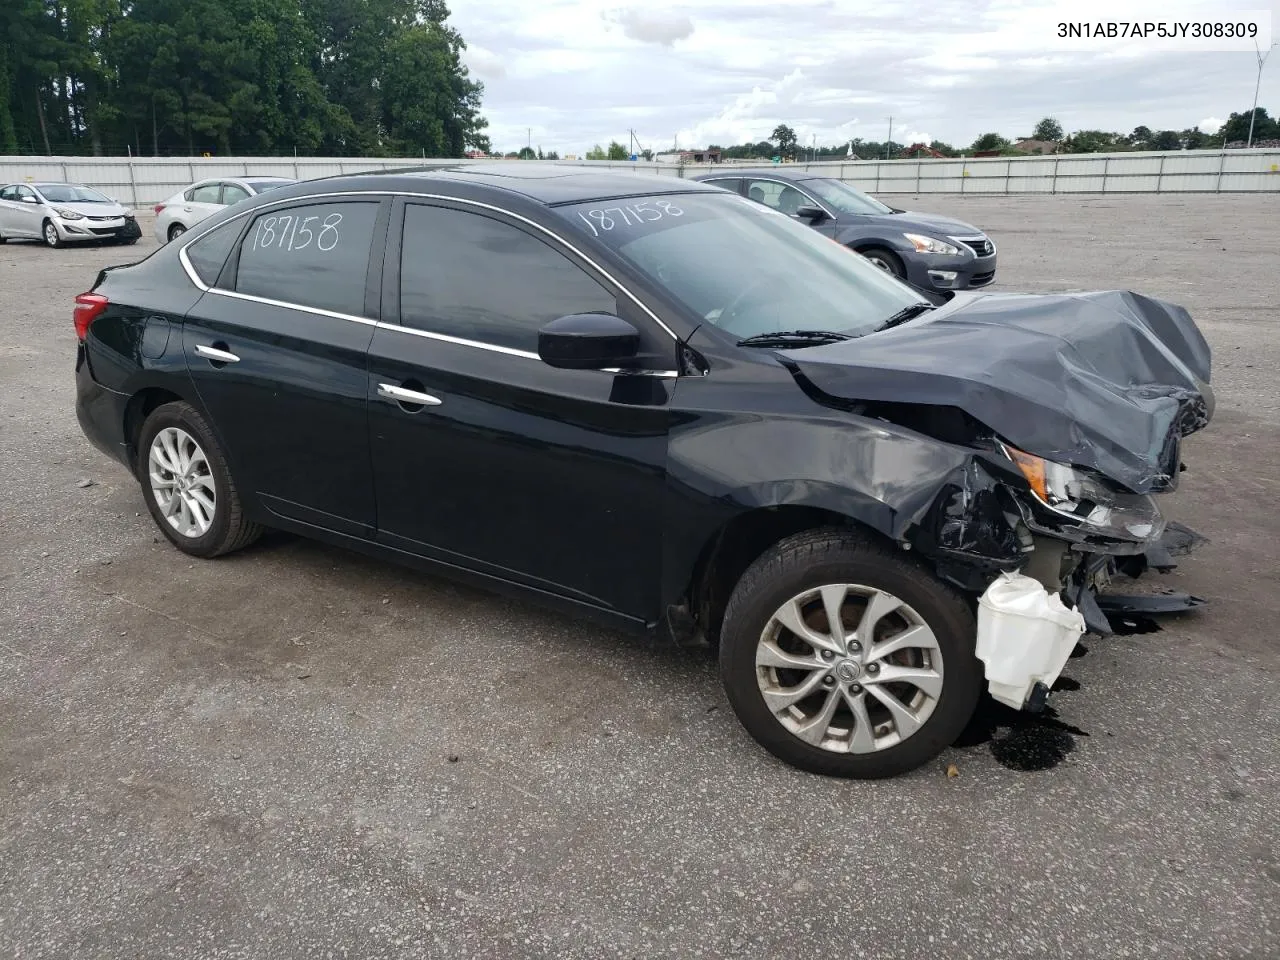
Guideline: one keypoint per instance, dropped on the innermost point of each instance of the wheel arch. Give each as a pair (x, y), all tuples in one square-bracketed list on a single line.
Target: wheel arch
[(736, 543)]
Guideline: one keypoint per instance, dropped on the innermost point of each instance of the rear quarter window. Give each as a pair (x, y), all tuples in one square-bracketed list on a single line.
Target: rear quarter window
[(209, 252), (315, 255)]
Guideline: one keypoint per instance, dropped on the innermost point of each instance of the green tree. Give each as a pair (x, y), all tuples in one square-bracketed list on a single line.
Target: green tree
[(597, 153), (1237, 127), (617, 151), (1167, 140), (990, 141), (552, 155), (785, 138), (1093, 141), (1047, 129), (526, 153), (1141, 138)]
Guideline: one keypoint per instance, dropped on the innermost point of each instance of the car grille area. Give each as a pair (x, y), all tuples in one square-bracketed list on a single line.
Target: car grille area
[(981, 246), (982, 279)]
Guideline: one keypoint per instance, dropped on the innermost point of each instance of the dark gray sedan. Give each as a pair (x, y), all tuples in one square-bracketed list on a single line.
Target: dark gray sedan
[(936, 253)]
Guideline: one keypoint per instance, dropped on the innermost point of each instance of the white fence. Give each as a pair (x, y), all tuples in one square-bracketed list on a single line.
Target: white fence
[(143, 181)]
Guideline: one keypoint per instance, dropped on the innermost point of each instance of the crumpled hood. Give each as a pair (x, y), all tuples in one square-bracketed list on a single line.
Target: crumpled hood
[(1108, 380)]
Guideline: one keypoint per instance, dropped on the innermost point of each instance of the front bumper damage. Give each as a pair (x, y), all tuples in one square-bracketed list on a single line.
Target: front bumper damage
[(982, 530)]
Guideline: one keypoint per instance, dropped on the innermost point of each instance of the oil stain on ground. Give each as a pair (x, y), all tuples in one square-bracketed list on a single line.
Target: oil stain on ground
[(1020, 740)]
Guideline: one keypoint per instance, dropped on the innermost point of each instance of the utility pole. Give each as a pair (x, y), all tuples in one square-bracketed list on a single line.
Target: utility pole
[(1262, 61), (890, 140)]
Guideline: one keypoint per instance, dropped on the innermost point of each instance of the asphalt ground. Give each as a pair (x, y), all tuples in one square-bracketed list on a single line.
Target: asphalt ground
[(298, 752)]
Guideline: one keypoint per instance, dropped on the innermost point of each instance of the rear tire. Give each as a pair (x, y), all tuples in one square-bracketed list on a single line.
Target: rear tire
[(188, 486), (176, 231), (842, 726), (886, 260)]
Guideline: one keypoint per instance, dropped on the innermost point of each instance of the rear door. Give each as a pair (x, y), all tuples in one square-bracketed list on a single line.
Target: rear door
[(233, 193), (201, 201), (277, 350), (8, 200), (506, 466)]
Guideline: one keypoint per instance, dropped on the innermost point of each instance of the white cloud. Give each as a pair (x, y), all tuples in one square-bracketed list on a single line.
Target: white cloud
[(728, 71), (1211, 124), (651, 26)]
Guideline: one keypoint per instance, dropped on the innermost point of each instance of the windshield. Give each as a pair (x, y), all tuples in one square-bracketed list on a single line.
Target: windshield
[(70, 193), (844, 198), (262, 186), (743, 267)]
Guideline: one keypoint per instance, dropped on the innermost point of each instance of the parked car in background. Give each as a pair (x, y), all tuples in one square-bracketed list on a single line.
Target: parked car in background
[(931, 252), (188, 207), (60, 213), (624, 395)]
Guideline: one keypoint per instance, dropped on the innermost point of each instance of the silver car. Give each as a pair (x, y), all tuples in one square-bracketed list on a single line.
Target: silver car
[(60, 213), (204, 198)]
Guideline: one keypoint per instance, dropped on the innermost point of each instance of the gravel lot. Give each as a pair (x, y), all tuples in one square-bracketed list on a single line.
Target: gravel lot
[(297, 752)]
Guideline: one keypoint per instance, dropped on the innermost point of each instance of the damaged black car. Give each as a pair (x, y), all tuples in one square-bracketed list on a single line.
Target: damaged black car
[(640, 399)]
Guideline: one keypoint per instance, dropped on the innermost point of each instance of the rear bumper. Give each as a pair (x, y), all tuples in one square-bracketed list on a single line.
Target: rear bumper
[(100, 412)]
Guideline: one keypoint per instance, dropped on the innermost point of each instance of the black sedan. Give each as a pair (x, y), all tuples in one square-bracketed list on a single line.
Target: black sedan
[(931, 252), (630, 397)]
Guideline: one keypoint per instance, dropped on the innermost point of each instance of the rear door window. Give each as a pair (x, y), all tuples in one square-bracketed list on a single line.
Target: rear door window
[(315, 255), (206, 194)]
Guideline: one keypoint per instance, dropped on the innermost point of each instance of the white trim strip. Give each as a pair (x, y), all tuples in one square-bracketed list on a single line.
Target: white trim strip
[(191, 273)]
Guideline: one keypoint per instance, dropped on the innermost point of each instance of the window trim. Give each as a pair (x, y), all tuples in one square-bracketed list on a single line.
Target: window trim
[(392, 194), (392, 272), (786, 183)]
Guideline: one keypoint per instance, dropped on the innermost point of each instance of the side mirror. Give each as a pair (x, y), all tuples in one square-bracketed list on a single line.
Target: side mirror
[(810, 212), (27, 199), (588, 341)]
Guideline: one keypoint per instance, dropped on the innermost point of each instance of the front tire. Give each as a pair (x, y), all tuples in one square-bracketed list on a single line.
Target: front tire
[(886, 692), (188, 486), (886, 260), (51, 236)]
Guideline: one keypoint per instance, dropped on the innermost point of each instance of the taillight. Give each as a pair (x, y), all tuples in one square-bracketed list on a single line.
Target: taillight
[(88, 307), (159, 208)]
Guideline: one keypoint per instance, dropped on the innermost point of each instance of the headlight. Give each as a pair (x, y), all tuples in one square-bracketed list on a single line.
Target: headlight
[(66, 214), (932, 245), (1087, 498)]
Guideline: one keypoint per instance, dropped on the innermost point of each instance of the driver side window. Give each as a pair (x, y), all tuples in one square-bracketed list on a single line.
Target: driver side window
[(777, 196)]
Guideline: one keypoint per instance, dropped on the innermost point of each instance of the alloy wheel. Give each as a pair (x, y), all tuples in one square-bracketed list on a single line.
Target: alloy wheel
[(51, 234), (182, 482), (849, 668)]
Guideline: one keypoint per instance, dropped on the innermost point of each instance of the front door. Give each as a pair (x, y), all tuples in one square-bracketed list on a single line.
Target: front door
[(486, 458), (277, 353)]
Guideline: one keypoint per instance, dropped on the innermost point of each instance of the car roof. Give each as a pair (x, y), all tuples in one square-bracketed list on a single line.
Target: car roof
[(541, 182), (769, 173)]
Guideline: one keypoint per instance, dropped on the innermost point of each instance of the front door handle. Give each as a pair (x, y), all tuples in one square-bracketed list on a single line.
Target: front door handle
[(400, 395), (216, 355)]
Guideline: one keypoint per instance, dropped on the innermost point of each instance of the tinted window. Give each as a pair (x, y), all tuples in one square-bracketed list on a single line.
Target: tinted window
[(780, 196), (469, 276), (206, 194), (233, 194), (726, 183), (316, 255), (9, 193), (209, 252), (26, 193)]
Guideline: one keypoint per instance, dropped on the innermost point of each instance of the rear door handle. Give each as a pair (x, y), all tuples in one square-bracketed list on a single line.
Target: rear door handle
[(400, 395), (213, 353)]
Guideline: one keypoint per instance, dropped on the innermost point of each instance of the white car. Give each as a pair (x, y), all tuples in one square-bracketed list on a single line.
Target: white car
[(60, 213), (204, 198)]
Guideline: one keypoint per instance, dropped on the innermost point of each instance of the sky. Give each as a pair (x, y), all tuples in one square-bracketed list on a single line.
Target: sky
[(567, 74)]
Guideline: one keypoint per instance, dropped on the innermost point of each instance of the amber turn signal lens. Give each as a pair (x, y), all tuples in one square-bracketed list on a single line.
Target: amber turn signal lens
[(1032, 468)]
